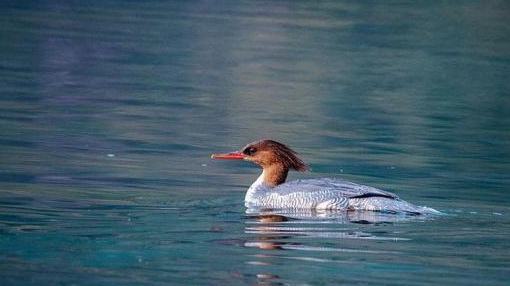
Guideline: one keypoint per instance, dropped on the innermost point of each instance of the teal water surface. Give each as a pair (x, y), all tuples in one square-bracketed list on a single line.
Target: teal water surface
[(109, 111)]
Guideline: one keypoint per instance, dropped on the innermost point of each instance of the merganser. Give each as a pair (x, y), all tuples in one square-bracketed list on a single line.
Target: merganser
[(270, 191)]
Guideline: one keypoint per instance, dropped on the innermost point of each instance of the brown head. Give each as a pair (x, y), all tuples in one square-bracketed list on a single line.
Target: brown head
[(274, 157)]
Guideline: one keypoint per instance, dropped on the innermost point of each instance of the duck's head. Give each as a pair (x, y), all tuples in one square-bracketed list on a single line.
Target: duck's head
[(268, 154)]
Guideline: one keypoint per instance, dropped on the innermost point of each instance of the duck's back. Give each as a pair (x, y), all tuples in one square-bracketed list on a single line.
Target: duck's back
[(336, 187)]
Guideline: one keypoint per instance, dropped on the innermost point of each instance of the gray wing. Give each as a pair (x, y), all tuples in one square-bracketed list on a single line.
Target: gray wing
[(341, 187)]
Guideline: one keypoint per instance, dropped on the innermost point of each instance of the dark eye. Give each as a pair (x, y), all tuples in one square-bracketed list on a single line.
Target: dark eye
[(250, 151)]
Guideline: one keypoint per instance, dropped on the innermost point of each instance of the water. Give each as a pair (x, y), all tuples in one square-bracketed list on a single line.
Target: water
[(109, 111)]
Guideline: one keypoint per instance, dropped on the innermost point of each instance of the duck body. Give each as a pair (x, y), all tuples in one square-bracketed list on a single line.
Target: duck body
[(326, 194), (270, 191)]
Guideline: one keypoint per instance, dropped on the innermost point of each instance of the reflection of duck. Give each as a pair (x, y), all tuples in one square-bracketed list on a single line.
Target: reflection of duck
[(317, 236), (303, 222), (271, 191), (275, 230), (330, 216)]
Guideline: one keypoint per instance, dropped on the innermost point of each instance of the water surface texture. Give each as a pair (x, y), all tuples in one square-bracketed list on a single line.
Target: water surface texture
[(109, 111)]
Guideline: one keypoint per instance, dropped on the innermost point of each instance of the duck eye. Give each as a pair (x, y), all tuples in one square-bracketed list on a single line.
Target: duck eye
[(250, 151)]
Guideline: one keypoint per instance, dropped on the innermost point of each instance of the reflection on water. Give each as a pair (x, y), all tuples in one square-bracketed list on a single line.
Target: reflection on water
[(299, 233), (273, 228)]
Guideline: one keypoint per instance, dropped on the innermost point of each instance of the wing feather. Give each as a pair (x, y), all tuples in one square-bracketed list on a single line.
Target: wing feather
[(336, 187)]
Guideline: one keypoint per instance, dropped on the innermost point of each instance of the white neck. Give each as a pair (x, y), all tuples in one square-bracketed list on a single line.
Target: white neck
[(255, 189)]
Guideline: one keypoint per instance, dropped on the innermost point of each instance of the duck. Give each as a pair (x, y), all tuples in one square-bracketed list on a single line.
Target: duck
[(271, 191)]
